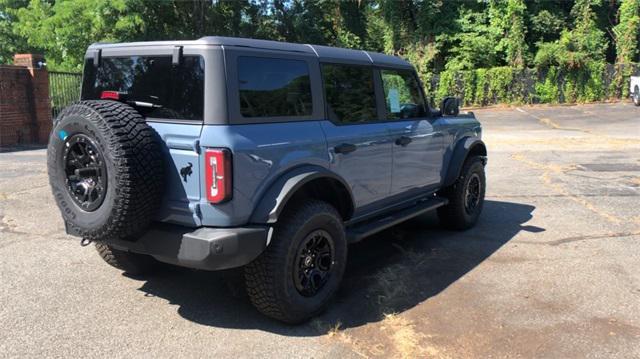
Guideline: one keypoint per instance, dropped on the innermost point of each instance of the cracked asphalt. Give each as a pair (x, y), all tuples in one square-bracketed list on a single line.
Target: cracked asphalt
[(551, 270)]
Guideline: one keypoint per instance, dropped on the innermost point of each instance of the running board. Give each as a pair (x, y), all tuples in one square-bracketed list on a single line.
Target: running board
[(360, 231)]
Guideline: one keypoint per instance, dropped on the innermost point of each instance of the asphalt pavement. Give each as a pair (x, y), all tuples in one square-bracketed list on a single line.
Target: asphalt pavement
[(551, 270)]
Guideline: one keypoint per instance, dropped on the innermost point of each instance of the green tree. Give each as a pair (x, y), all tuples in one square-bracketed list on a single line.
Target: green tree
[(474, 46), (352, 27), (64, 29), (514, 39), (546, 19), (627, 32), (477, 46), (436, 25), (583, 44), (11, 42)]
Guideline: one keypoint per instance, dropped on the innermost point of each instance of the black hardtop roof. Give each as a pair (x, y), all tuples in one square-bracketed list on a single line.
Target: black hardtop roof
[(325, 53)]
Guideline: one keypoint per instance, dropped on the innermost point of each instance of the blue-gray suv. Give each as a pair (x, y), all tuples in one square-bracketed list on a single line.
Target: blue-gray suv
[(228, 152)]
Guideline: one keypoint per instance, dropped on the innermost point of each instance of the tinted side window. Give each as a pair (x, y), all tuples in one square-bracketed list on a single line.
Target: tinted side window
[(274, 87), (350, 93), (162, 89), (402, 95)]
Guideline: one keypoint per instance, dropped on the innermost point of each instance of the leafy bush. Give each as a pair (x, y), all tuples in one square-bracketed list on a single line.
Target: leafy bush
[(500, 81), (547, 90)]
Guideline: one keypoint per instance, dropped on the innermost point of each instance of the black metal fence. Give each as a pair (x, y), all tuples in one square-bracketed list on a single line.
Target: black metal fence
[(64, 89)]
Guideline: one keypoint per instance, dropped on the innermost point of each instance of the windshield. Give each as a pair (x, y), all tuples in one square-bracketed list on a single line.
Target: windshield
[(156, 87)]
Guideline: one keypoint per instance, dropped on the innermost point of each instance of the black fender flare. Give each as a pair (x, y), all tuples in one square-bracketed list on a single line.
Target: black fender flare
[(275, 199), (461, 151)]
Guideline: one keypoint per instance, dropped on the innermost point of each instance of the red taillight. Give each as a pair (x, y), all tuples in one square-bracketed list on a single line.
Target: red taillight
[(218, 174), (110, 95)]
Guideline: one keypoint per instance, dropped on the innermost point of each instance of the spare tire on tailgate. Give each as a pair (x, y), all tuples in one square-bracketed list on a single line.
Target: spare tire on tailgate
[(105, 169)]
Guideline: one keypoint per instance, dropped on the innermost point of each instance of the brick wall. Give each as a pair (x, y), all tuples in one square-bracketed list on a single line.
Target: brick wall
[(25, 108)]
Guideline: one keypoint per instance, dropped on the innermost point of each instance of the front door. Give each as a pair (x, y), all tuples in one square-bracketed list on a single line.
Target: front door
[(359, 144), (417, 141)]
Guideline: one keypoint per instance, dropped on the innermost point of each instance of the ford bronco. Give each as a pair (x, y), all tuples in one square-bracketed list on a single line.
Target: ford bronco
[(227, 152)]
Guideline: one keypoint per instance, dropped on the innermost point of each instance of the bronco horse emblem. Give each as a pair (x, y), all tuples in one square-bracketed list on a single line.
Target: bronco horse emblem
[(186, 171)]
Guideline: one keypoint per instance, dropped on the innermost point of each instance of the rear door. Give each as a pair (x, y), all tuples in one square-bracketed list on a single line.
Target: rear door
[(417, 139), (359, 143)]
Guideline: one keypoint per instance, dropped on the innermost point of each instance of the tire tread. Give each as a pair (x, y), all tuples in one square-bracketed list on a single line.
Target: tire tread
[(452, 215), (261, 274)]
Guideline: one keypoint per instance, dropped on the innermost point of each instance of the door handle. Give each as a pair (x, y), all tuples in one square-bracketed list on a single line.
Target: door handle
[(403, 141), (345, 148)]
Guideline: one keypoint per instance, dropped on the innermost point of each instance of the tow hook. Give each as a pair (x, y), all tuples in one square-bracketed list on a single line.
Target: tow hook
[(85, 242)]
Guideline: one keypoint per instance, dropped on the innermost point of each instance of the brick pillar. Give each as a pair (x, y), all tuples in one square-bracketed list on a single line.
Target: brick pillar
[(40, 104), (15, 95)]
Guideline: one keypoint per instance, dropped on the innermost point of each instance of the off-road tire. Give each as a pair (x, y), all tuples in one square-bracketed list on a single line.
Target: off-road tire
[(132, 158), (455, 215), (130, 263), (636, 96), (269, 279)]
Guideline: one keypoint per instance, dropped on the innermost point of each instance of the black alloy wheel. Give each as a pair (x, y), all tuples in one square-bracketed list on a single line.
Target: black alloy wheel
[(314, 262), (85, 171), (472, 193), (465, 195)]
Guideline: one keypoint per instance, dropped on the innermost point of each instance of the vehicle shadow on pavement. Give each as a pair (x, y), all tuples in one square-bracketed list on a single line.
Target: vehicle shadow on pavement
[(22, 148), (387, 273)]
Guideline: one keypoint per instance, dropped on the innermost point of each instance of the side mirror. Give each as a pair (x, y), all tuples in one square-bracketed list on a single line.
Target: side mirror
[(450, 106)]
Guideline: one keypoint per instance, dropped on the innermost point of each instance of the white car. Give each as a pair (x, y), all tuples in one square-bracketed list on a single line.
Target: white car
[(634, 89)]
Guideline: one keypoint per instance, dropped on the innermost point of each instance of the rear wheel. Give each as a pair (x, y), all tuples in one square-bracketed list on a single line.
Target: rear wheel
[(299, 272), (636, 96), (130, 263), (466, 197)]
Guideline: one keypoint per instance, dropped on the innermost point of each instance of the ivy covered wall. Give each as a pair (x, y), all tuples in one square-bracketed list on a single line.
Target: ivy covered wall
[(554, 84)]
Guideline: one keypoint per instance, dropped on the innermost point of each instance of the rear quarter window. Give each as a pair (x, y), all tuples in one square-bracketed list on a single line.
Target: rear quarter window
[(161, 89), (271, 87)]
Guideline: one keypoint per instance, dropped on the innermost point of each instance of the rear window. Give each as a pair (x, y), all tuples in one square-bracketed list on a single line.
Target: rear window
[(274, 87), (155, 86)]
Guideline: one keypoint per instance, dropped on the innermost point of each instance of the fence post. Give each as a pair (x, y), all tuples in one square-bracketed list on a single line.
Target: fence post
[(39, 102)]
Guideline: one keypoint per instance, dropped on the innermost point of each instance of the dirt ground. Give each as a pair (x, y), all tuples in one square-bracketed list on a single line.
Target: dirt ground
[(551, 270)]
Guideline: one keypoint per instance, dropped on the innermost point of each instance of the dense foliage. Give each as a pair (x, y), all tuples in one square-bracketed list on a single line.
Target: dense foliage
[(485, 50)]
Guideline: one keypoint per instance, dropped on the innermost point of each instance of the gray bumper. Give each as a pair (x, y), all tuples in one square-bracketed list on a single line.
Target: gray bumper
[(205, 248)]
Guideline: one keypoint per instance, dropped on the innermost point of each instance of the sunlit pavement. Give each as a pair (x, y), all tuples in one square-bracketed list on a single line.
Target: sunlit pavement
[(551, 270)]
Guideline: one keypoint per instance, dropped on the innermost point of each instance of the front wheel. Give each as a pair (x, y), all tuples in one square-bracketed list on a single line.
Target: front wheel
[(466, 197), (297, 275)]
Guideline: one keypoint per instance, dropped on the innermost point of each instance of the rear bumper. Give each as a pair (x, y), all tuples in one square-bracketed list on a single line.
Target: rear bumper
[(205, 248)]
